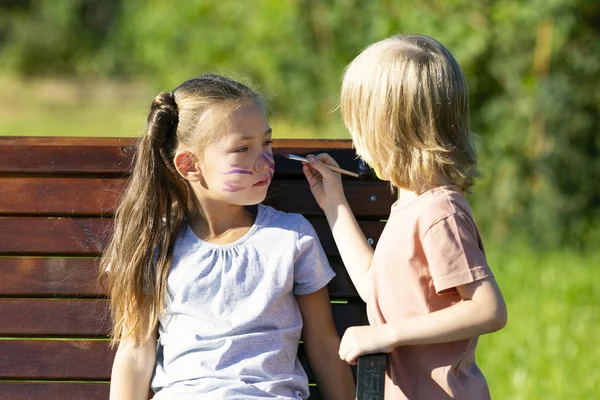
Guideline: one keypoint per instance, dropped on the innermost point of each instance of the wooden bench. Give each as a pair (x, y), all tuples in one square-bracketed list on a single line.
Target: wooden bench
[(57, 197)]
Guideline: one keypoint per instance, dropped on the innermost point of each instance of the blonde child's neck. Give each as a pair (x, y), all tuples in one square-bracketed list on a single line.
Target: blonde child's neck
[(407, 195), (411, 193)]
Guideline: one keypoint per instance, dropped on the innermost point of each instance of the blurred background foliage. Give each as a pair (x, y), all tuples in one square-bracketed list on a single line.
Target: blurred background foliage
[(91, 67), (532, 67)]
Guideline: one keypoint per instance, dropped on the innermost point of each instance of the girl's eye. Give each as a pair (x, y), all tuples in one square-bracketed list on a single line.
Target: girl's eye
[(268, 142), (242, 149)]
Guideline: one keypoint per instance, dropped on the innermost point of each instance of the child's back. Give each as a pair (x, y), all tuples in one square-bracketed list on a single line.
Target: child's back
[(429, 246), (429, 290)]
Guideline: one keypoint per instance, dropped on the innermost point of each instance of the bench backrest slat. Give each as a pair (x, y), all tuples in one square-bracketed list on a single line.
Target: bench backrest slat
[(89, 317), (89, 236), (95, 197), (47, 277)]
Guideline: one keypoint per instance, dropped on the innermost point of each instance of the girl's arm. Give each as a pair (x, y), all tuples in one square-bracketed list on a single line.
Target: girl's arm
[(132, 370), (354, 249), (482, 310), (321, 342)]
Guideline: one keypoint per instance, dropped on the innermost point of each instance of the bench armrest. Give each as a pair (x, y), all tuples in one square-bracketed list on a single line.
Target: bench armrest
[(370, 377)]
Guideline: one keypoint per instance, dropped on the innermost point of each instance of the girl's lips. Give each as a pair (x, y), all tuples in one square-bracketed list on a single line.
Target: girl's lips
[(262, 183)]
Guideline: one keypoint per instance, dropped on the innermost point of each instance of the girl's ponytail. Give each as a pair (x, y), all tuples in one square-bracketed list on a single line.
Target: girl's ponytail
[(147, 219)]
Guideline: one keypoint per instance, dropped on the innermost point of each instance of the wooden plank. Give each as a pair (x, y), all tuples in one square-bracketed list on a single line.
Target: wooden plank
[(55, 359), (53, 390), (112, 155), (368, 199), (76, 277), (72, 390), (38, 235), (347, 159), (42, 277), (101, 161), (61, 142), (77, 360), (89, 318), (54, 317), (341, 286), (98, 197), (88, 236), (20, 158), (60, 196), (351, 314), (371, 229), (40, 360)]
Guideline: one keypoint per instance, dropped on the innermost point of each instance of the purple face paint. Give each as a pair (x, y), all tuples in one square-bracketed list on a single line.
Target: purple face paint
[(237, 171), (268, 157), (271, 163), (230, 186), (270, 160)]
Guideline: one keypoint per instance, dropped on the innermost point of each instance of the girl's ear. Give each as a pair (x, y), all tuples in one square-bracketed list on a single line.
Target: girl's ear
[(187, 165)]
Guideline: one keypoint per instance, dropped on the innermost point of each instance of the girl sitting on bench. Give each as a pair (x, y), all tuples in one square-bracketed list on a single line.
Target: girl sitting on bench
[(210, 290)]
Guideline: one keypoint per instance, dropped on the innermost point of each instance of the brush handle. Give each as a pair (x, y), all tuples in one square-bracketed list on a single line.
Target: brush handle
[(331, 167), (342, 171)]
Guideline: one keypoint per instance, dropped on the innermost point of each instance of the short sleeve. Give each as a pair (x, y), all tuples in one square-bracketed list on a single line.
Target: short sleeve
[(311, 268), (454, 253)]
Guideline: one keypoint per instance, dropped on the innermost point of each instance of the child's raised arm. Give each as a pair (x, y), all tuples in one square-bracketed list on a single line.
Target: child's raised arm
[(355, 251), (132, 369)]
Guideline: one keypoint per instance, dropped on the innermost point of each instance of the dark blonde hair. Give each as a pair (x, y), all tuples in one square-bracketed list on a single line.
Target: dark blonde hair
[(406, 104), (157, 201)]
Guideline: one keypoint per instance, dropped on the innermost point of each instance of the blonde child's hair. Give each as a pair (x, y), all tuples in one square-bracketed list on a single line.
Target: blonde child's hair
[(406, 104), (157, 201)]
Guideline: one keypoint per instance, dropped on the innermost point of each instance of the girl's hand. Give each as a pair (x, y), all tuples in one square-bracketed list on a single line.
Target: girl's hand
[(359, 340), (325, 184)]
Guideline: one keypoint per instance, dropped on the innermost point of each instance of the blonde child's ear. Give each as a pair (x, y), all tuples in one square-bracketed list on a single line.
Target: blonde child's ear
[(187, 165)]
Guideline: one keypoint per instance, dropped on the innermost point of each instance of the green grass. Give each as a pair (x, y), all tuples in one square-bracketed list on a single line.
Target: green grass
[(547, 350), (47, 107), (60, 107)]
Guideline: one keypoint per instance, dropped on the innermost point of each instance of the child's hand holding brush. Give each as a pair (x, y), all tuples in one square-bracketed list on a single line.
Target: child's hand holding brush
[(325, 183), (331, 167)]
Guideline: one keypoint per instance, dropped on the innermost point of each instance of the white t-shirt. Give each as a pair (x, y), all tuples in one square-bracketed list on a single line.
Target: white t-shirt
[(231, 326)]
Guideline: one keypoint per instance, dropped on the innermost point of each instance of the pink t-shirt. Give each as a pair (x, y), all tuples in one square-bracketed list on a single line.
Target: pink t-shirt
[(430, 245)]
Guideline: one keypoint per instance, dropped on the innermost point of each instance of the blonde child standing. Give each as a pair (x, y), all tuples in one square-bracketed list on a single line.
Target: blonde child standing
[(209, 297), (428, 287)]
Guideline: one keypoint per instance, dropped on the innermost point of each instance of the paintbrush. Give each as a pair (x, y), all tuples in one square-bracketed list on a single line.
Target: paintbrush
[(331, 167)]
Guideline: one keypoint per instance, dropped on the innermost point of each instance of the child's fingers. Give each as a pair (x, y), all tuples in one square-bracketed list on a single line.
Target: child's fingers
[(310, 174), (327, 159), (351, 357), (320, 162), (308, 171)]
